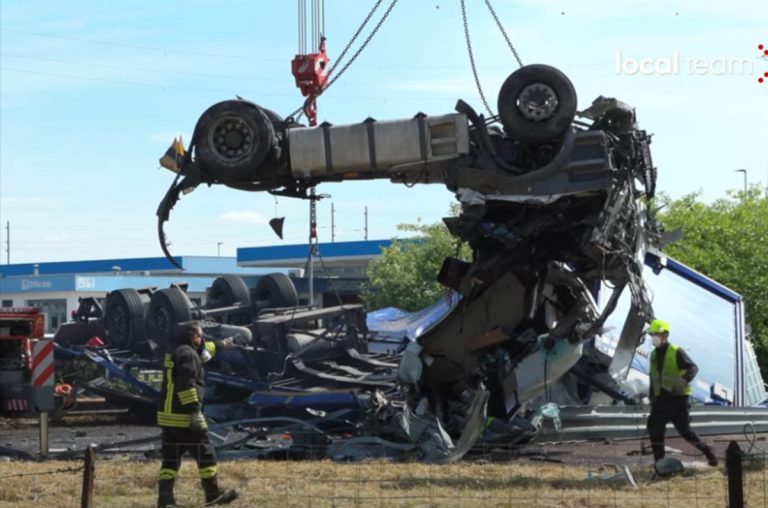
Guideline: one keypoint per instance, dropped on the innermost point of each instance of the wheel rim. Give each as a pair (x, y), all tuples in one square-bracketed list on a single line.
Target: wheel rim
[(163, 321), (118, 322), (537, 102), (231, 138)]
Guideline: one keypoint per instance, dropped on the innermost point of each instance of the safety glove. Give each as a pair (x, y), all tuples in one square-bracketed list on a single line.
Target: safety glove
[(198, 422)]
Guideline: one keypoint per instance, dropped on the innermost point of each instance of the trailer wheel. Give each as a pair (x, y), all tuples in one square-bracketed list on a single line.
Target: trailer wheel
[(167, 308), (234, 138), (537, 104), (278, 289), (229, 290), (125, 318)]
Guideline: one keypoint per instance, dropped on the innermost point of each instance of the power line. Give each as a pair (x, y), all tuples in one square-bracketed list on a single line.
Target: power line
[(139, 83), (240, 57), (143, 69), (223, 90), (134, 46), (163, 71)]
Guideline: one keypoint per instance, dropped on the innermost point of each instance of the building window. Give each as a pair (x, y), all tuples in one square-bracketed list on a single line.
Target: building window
[(6, 303)]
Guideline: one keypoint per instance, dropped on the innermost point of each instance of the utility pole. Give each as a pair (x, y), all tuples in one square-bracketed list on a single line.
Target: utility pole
[(366, 225), (333, 224), (8, 242), (745, 181)]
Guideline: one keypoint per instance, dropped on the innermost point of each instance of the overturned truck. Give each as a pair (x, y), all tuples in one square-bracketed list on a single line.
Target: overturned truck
[(552, 206)]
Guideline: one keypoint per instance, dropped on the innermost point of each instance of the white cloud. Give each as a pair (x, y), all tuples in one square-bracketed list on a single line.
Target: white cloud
[(243, 217)]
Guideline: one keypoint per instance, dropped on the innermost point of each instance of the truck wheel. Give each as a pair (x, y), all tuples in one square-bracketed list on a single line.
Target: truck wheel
[(125, 318), (234, 138), (167, 308), (537, 104), (278, 289), (229, 290)]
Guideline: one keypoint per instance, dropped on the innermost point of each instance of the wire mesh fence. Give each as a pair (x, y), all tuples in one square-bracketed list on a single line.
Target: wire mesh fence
[(585, 474)]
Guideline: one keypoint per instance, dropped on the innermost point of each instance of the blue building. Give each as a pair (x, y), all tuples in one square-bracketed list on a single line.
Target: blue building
[(55, 287)]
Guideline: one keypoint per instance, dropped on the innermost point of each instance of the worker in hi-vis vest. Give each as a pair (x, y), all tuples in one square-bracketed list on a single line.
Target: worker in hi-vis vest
[(672, 371), (180, 415)]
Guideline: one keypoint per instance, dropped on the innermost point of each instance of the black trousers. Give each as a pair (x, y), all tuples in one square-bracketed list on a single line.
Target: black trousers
[(178, 441), (677, 411)]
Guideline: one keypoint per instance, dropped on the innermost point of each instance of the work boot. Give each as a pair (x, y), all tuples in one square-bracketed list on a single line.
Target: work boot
[(165, 498), (658, 451), (214, 495), (708, 453)]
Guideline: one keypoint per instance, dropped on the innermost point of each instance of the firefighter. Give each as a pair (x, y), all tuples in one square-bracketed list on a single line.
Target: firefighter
[(672, 371), (181, 419)]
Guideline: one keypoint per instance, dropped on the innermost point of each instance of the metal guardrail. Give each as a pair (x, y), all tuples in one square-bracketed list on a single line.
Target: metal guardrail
[(622, 422)]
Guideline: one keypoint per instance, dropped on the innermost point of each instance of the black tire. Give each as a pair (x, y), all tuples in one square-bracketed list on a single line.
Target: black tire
[(124, 319), (278, 289), (229, 290), (232, 141), (537, 104), (167, 308)]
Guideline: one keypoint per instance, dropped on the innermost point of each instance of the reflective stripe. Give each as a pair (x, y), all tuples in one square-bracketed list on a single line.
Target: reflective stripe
[(188, 396), (174, 420), (211, 347), (167, 474), (167, 405), (208, 472)]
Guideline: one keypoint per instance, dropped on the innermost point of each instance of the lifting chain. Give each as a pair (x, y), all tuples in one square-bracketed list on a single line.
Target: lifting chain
[(472, 59), (313, 221), (332, 80), (503, 32), (472, 56)]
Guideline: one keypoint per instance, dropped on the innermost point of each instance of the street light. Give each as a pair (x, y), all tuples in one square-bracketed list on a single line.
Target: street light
[(218, 248), (745, 180)]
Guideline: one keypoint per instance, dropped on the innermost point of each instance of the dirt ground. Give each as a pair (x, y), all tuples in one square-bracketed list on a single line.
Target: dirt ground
[(72, 434)]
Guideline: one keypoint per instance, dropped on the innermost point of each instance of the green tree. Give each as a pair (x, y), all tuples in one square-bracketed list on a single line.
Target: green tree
[(405, 274), (727, 241)]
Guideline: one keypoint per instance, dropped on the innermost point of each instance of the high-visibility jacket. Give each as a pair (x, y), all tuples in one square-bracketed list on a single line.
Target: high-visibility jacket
[(672, 377), (183, 386)]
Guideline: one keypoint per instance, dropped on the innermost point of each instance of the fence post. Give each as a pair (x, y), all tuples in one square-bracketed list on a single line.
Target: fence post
[(89, 469), (44, 433), (733, 468)]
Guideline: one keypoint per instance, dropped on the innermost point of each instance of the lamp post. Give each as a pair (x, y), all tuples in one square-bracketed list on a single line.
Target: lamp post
[(745, 180), (218, 248)]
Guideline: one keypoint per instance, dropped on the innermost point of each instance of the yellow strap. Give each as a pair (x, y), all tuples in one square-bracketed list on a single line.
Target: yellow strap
[(174, 420), (168, 403), (188, 396), (208, 472), (167, 474)]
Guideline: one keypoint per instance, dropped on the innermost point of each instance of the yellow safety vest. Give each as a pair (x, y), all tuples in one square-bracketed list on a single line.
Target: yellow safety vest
[(671, 378)]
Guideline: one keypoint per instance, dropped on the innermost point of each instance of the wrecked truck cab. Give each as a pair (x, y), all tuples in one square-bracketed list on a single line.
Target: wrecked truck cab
[(551, 206)]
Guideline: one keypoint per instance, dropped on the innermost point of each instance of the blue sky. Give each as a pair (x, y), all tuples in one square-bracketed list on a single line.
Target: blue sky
[(91, 96)]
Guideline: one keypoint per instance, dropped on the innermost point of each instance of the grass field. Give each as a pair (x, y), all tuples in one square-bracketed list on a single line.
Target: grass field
[(124, 483)]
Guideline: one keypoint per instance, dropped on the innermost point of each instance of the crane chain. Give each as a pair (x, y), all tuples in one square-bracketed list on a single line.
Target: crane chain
[(355, 36), (472, 58), (392, 4), (503, 32)]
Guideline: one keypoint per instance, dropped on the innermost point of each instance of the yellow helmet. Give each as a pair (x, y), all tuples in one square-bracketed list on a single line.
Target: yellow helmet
[(658, 326)]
